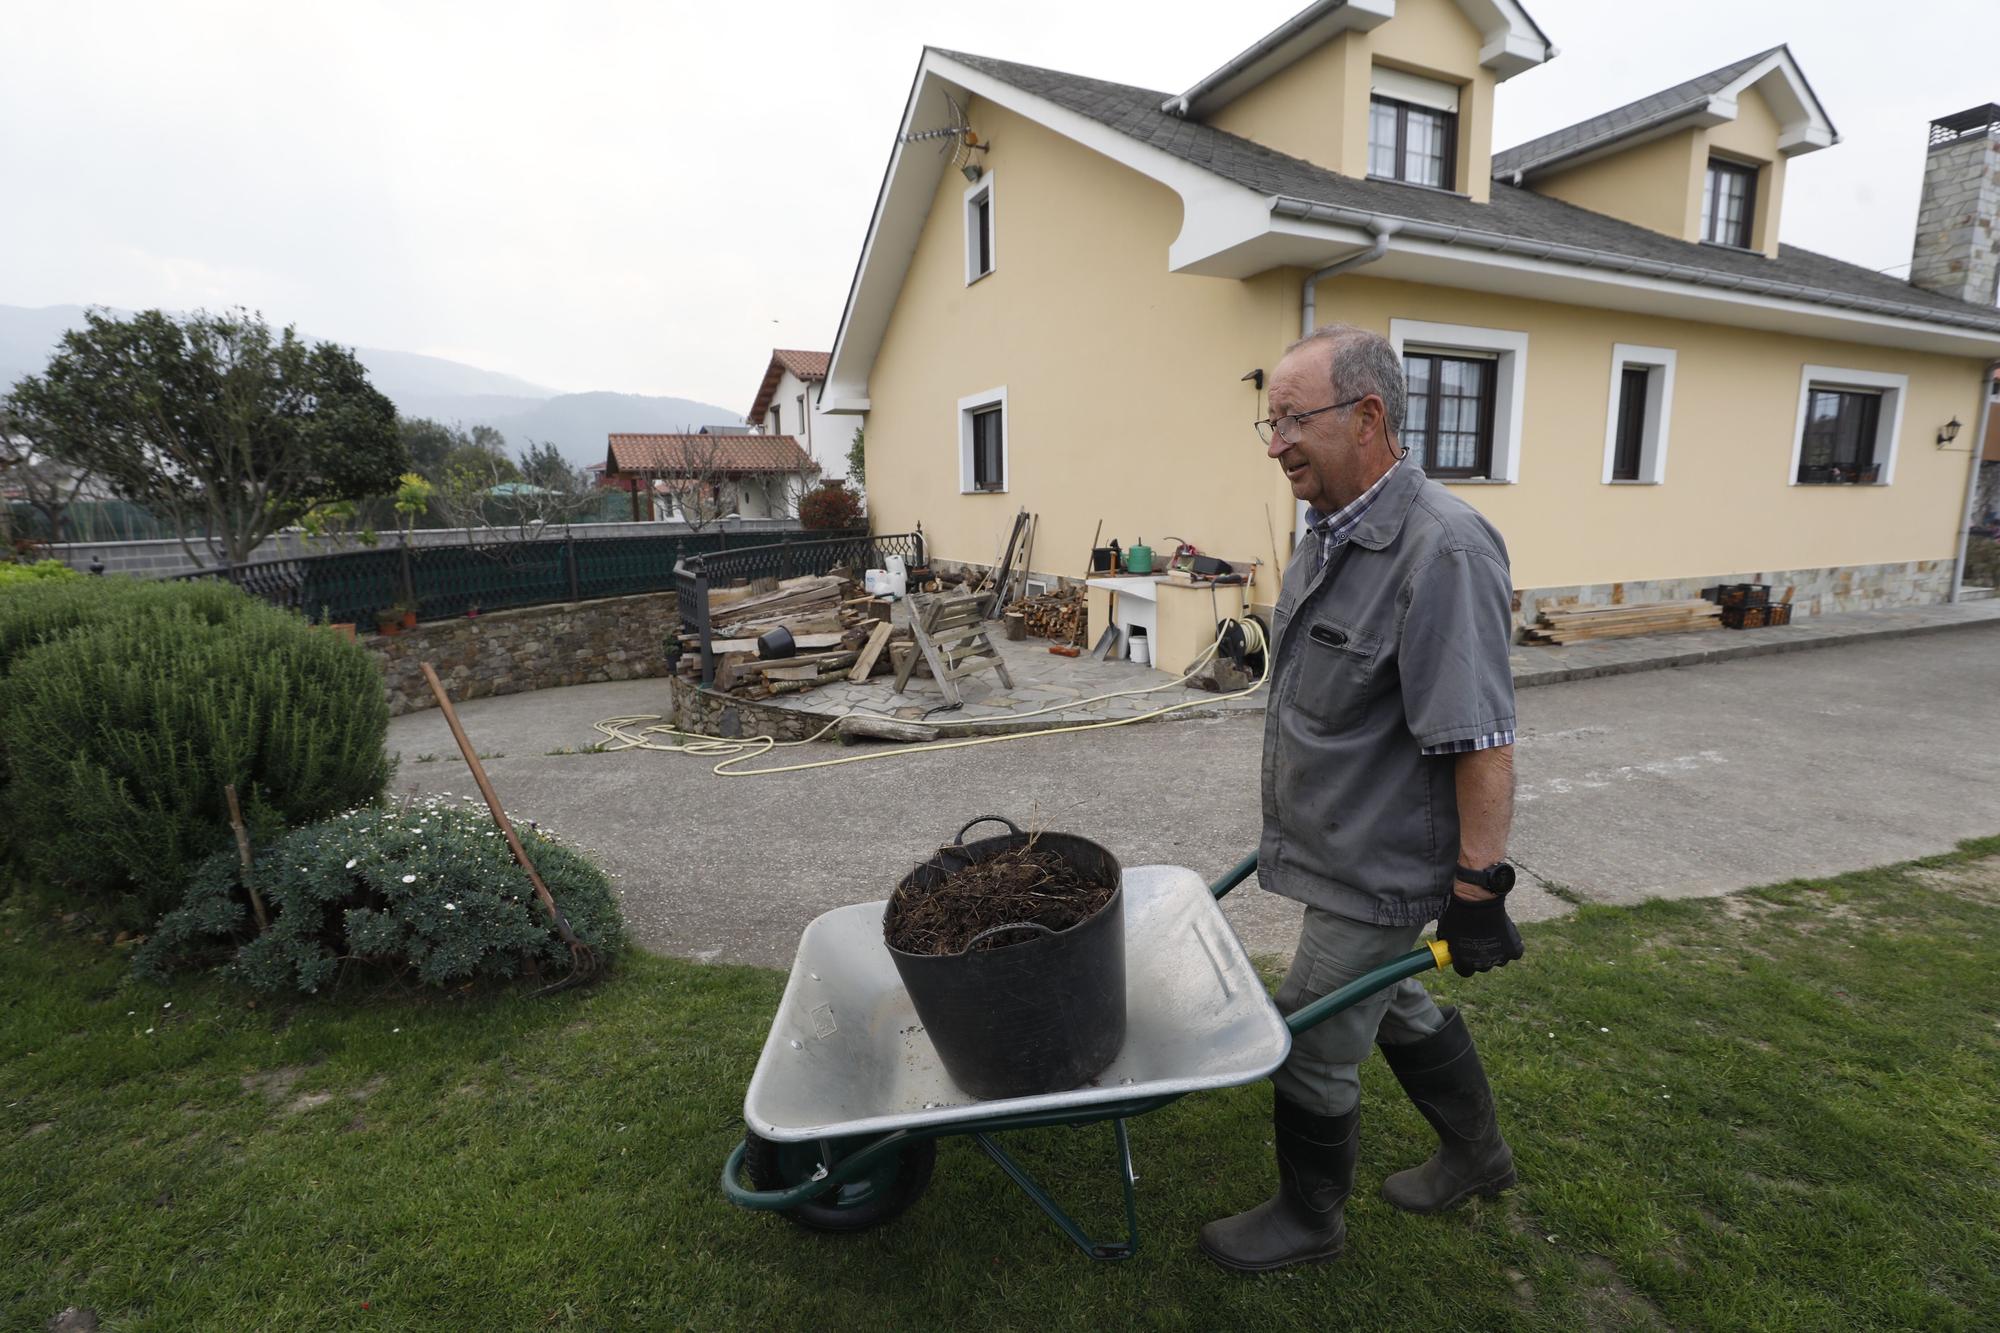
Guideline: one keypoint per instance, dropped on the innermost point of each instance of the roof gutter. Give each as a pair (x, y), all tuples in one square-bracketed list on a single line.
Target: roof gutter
[(1986, 404), (1583, 257), (1383, 228)]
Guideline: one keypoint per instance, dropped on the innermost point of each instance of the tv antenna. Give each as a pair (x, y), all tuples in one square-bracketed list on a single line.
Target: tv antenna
[(958, 140)]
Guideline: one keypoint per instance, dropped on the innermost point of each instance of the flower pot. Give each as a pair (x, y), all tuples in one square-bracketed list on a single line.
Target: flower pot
[(409, 620), (345, 629), (389, 625)]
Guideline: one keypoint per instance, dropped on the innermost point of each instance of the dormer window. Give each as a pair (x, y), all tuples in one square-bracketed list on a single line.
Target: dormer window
[(1412, 128), (1411, 143), (1727, 202)]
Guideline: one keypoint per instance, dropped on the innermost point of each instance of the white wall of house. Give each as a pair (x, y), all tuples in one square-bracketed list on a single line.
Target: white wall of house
[(823, 436)]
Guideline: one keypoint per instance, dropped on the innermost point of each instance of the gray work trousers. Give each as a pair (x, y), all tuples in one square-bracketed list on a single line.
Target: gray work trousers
[(1333, 950)]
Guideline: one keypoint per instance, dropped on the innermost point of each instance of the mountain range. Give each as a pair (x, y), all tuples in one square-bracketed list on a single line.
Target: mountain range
[(430, 386)]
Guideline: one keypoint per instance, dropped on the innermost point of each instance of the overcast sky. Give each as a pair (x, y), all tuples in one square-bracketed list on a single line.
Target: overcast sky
[(649, 196)]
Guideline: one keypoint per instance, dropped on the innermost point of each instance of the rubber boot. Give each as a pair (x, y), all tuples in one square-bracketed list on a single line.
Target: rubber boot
[(1305, 1221), (1443, 1077)]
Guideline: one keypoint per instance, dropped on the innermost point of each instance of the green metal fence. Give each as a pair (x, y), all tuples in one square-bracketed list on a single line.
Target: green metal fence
[(446, 581)]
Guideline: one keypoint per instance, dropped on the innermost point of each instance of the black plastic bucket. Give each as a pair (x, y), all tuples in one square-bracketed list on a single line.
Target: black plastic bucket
[(1042, 1014)]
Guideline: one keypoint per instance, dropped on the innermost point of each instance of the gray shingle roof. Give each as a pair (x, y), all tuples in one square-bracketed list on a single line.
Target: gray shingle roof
[(1665, 105), (1515, 213)]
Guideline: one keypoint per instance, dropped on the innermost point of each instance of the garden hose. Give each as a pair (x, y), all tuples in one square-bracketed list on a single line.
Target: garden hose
[(626, 733)]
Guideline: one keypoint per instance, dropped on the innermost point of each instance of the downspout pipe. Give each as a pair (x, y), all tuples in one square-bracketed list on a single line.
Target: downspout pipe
[(1383, 229), (1986, 404)]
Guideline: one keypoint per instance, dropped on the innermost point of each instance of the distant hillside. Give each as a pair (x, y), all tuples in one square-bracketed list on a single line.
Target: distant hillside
[(577, 423), (429, 386)]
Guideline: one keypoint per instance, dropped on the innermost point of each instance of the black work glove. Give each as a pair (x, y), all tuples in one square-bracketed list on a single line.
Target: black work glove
[(1479, 934)]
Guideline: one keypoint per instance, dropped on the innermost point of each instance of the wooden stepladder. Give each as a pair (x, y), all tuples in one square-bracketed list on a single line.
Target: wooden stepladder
[(951, 637)]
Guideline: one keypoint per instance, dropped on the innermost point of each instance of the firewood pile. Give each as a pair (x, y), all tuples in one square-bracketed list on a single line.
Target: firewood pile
[(837, 635), (1054, 615), (1570, 623)]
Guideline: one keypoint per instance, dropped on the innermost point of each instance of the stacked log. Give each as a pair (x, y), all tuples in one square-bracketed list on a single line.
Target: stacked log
[(1055, 615)]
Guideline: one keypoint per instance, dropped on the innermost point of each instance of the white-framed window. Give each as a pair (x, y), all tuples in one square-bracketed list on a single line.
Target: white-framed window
[(979, 232), (1849, 424), (1468, 388), (982, 442), (1641, 410)]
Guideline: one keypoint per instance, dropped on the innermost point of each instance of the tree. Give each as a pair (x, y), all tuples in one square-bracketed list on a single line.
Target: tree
[(552, 491), (857, 458), (703, 482), (428, 442), (49, 486), (213, 422)]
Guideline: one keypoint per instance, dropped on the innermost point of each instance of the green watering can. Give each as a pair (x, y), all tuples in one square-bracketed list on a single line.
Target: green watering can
[(1139, 558)]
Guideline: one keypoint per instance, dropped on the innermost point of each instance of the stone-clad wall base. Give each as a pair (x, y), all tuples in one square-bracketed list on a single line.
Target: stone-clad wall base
[(532, 648), (1814, 591)]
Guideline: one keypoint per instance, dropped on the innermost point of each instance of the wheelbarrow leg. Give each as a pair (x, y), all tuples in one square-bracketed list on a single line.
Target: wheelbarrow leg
[(1095, 1249)]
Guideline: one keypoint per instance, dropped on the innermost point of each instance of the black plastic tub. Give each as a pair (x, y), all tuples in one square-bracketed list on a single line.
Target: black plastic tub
[(1043, 1013)]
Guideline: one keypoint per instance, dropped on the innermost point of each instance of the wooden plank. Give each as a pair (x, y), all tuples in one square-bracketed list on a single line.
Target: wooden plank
[(878, 638), (806, 641), (806, 673), (816, 660)]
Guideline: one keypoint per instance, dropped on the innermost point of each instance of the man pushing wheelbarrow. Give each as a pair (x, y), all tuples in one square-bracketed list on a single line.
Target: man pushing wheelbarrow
[(1388, 788)]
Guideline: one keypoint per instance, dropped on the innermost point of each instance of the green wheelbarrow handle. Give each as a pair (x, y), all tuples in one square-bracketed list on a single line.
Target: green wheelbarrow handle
[(1423, 959)]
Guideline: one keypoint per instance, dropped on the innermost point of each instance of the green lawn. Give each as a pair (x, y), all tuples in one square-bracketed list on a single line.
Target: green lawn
[(1776, 1110)]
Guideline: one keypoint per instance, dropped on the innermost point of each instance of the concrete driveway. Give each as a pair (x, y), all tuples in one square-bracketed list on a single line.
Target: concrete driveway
[(1665, 784)]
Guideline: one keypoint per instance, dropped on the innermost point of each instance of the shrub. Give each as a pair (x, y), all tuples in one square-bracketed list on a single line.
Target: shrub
[(12, 573), (830, 506), (39, 608), (429, 890), (118, 736)]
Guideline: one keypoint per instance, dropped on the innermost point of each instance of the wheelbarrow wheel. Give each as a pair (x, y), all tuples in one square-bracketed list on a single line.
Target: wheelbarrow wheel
[(880, 1195)]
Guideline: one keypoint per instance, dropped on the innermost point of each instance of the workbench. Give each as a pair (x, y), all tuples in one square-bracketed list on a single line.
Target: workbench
[(1178, 617)]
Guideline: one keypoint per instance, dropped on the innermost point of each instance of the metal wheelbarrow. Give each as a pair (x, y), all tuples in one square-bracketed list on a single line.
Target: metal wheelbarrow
[(849, 1097)]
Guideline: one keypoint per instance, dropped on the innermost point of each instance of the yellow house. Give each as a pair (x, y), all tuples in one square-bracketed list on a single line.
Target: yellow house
[(1069, 288)]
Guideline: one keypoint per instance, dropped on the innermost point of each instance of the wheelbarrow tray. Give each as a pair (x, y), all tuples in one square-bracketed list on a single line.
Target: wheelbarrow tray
[(848, 1056)]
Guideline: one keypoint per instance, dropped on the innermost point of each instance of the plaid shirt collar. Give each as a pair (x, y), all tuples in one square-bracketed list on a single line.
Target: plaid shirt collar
[(1334, 529)]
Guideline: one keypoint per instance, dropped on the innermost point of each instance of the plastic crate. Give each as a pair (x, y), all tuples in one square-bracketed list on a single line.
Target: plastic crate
[(1744, 594)]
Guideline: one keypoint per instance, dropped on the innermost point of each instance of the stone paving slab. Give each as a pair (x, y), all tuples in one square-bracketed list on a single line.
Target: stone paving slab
[(1043, 679)]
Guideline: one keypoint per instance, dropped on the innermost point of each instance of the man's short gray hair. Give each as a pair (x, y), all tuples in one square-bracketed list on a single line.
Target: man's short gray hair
[(1363, 362)]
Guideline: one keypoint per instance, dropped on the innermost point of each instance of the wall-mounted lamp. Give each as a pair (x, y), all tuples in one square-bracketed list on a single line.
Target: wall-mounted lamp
[(1257, 377), (1947, 432)]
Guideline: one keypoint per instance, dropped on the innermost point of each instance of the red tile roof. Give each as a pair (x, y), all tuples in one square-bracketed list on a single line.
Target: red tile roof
[(670, 455), (808, 366)]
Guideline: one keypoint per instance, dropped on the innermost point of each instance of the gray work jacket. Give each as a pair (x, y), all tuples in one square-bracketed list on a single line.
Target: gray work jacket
[(1398, 644)]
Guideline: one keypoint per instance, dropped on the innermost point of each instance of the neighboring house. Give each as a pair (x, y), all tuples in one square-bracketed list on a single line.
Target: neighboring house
[(1610, 351), (704, 477), (787, 402)]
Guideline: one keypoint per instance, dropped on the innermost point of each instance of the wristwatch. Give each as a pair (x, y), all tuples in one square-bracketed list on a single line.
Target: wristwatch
[(1496, 879)]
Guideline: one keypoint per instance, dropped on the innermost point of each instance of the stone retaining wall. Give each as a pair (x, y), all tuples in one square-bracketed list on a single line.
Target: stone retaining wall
[(709, 713), (531, 648)]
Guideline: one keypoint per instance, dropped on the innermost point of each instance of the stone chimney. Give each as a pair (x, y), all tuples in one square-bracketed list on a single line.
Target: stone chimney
[(1957, 250)]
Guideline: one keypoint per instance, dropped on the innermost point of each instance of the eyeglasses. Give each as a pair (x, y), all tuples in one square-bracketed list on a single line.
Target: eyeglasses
[(1288, 426)]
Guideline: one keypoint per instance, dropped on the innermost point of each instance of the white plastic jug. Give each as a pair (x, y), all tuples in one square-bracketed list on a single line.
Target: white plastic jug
[(899, 575), (1138, 648)]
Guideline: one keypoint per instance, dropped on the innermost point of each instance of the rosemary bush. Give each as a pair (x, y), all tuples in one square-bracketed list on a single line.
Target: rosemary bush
[(122, 720), (427, 890)]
